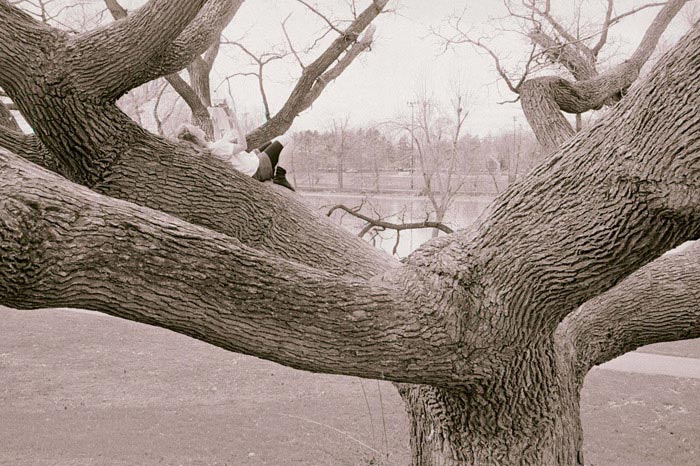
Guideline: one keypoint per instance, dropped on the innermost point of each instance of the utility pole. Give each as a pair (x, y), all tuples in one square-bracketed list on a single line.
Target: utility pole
[(412, 104)]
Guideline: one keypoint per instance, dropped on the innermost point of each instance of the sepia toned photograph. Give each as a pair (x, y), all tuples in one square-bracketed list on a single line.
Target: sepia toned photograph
[(349, 233)]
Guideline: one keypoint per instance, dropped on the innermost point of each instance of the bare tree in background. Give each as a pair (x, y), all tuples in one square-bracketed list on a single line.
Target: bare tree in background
[(442, 160), (487, 332)]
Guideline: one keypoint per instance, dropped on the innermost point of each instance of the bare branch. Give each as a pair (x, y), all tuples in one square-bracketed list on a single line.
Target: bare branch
[(260, 60), (299, 97), (364, 43), (618, 18), (289, 42), (462, 37), (379, 223), (322, 16), (605, 29)]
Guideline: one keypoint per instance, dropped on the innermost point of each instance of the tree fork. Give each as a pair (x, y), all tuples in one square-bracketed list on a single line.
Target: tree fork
[(544, 98)]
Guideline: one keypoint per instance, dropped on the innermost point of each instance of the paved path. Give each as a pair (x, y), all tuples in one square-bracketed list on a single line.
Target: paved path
[(655, 364)]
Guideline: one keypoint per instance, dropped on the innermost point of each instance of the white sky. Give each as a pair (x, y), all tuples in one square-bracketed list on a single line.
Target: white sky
[(406, 57)]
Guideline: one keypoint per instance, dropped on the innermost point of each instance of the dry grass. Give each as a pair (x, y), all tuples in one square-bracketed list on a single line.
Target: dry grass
[(81, 390)]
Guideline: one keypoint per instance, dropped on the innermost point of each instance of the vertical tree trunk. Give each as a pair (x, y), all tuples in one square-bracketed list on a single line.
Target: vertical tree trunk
[(199, 72), (526, 414), (340, 169)]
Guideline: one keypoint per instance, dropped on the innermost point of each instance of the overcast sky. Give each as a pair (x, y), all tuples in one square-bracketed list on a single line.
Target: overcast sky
[(406, 58)]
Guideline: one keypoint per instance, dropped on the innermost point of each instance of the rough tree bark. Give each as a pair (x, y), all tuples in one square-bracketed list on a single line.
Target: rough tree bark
[(164, 236), (197, 93)]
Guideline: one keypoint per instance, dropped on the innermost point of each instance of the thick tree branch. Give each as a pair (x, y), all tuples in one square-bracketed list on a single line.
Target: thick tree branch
[(299, 97), (111, 60), (28, 147), (200, 35), (17, 142), (93, 252), (659, 302), (21, 36), (193, 99), (641, 166), (200, 112)]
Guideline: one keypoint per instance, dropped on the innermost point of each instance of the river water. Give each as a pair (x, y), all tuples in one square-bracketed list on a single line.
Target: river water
[(397, 209)]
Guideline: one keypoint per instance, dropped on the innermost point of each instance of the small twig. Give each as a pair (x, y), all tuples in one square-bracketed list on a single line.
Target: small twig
[(322, 16), (289, 41)]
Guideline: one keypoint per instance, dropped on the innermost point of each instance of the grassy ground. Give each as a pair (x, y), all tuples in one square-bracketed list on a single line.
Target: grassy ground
[(82, 390)]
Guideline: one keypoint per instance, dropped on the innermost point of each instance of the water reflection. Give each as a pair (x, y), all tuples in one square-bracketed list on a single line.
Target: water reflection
[(397, 209)]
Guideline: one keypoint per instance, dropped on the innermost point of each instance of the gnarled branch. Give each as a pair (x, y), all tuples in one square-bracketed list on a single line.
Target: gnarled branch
[(379, 223), (94, 252), (114, 59), (659, 302), (544, 98)]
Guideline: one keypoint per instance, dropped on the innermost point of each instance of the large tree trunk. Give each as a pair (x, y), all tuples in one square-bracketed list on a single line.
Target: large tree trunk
[(475, 317), (527, 413)]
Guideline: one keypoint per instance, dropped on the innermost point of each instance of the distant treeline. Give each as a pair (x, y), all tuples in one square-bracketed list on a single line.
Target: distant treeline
[(353, 150)]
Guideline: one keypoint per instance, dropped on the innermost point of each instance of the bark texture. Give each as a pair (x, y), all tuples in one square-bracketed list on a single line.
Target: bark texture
[(659, 302), (174, 238), (196, 95)]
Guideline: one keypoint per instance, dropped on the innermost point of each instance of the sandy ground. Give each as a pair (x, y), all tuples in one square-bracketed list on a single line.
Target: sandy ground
[(84, 389)]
